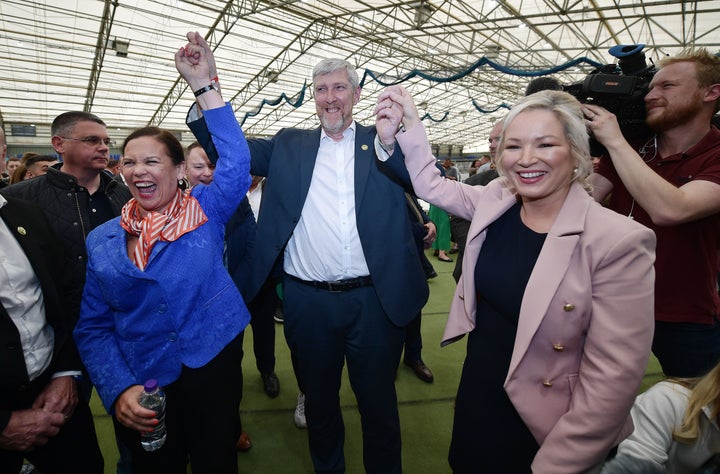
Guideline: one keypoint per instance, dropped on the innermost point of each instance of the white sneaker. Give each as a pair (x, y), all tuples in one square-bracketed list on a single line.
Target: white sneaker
[(300, 412)]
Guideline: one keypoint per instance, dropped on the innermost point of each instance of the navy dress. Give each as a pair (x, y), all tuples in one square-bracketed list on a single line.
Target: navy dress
[(488, 434)]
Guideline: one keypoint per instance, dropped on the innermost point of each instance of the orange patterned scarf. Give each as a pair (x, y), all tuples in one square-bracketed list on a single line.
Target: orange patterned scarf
[(182, 216)]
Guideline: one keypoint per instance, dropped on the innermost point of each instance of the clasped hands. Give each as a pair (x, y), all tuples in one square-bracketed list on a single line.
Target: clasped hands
[(395, 108), (34, 426)]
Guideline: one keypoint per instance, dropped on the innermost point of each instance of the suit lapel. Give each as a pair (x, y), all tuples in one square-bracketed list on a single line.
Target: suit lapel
[(364, 158), (550, 269), (22, 234), (21, 225), (309, 145)]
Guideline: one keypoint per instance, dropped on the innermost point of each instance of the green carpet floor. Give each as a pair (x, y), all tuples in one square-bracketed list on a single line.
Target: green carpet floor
[(425, 409)]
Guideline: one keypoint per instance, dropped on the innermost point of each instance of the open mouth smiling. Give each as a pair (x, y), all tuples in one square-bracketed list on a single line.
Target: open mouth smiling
[(145, 187), (531, 174)]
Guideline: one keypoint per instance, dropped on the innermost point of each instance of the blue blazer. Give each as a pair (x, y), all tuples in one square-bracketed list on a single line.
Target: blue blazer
[(287, 160), (184, 308)]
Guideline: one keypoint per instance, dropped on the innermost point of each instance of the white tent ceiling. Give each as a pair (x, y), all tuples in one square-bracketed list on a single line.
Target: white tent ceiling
[(58, 56)]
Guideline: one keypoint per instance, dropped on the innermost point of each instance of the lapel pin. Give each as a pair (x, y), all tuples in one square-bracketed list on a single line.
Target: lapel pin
[(21, 231), (364, 147)]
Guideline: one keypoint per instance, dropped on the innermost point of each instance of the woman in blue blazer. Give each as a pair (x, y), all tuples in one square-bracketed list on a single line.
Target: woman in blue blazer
[(158, 302)]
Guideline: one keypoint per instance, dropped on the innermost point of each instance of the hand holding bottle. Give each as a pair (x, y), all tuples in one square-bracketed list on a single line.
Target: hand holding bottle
[(130, 413)]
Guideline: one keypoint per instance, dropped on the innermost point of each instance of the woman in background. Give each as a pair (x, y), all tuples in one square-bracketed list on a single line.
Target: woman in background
[(676, 427), (472, 170), (442, 243)]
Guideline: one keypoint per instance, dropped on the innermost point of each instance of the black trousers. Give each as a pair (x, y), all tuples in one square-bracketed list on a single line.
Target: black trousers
[(202, 420), (324, 330), (261, 310), (413, 340), (687, 350), (74, 449)]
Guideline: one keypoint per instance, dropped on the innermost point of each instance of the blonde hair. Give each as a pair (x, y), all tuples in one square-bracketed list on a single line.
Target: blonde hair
[(704, 391), (567, 110)]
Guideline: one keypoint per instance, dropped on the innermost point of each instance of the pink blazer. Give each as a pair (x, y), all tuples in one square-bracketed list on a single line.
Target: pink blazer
[(586, 320)]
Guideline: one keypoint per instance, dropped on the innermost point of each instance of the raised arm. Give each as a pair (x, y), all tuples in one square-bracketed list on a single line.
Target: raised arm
[(395, 107), (194, 62)]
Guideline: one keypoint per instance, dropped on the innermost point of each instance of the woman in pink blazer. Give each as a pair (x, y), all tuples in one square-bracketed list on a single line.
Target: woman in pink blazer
[(556, 294)]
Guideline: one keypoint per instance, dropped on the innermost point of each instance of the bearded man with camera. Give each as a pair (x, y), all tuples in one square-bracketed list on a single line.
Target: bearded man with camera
[(671, 183)]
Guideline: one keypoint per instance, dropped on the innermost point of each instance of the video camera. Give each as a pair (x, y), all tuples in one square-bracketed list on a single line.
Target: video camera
[(621, 89)]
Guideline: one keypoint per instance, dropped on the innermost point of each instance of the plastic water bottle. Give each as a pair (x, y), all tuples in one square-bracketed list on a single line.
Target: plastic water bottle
[(153, 398)]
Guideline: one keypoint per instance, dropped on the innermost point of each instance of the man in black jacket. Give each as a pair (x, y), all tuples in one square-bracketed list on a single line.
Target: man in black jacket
[(76, 196), (40, 417)]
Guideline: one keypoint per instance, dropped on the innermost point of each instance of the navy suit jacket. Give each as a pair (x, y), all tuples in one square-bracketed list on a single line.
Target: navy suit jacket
[(42, 248), (287, 160)]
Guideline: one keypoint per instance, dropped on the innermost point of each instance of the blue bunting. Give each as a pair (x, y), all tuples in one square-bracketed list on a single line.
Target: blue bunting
[(481, 62), (489, 111), (428, 116), (283, 96), (429, 77)]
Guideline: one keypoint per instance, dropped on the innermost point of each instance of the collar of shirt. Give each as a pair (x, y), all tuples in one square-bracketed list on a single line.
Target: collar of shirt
[(348, 133), (325, 244)]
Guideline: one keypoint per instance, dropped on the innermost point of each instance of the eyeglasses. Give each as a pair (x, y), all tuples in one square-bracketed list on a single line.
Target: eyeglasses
[(93, 140)]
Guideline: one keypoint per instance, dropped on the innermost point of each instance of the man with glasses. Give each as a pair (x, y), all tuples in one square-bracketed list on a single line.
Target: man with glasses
[(75, 194)]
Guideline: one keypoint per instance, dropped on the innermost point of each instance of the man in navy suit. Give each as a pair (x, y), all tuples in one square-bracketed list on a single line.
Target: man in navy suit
[(334, 225), (41, 417)]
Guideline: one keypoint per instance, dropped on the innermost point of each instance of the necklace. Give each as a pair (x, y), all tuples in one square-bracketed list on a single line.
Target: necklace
[(649, 145)]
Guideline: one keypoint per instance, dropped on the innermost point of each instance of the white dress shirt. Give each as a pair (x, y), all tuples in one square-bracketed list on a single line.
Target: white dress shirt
[(254, 197), (325, 245), (22, 297)]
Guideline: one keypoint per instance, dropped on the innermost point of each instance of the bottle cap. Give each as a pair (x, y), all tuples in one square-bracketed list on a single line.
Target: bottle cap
[(151, 385)]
